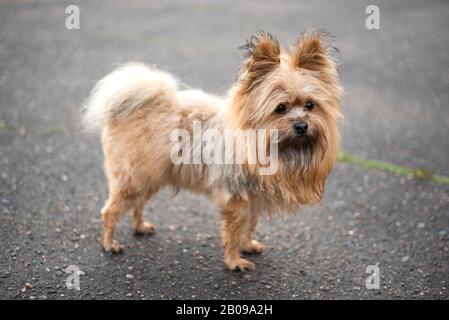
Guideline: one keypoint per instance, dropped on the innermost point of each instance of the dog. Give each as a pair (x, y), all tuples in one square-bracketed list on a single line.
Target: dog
[(292, 95)]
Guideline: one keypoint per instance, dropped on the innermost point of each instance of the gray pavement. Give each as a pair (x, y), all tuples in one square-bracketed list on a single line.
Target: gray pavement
[(52, 184)]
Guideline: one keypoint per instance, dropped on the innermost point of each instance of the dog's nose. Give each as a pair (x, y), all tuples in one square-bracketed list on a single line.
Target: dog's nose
[(300, 127)]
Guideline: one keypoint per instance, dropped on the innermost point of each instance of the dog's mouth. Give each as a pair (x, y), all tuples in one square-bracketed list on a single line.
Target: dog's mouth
[(301, 149), (298, 142)]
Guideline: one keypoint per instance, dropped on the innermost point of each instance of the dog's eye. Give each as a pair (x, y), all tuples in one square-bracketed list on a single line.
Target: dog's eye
[(310, 104), (280, 108)]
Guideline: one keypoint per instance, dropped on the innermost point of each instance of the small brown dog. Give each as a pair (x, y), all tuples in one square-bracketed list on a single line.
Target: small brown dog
[(293, 92)]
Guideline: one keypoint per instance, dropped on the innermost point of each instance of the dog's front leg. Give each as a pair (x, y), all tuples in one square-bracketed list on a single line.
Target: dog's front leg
[(248, 244), (232, 227)]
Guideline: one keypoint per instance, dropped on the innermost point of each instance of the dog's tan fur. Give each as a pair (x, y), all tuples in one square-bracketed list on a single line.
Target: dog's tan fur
[(137, 108)]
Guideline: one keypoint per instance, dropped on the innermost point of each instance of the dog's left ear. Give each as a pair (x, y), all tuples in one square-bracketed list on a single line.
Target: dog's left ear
[(313, 51), (262, 57)]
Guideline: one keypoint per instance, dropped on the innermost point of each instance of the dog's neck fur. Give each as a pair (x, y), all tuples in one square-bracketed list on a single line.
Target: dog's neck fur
[(299, 179)]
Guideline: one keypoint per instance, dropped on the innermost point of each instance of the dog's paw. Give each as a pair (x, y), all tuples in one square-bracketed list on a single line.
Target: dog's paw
[(240, 264), (114, 247), (254, 247), (145, 229)]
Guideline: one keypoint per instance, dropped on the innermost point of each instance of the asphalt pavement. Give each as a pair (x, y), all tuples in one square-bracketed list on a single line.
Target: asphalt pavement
[(52, 184)]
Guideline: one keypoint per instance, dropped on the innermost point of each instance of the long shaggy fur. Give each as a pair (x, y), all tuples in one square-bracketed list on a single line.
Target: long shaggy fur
[(138, 107), (124, 90)]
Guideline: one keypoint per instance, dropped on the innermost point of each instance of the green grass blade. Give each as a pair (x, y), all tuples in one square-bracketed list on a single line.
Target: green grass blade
[(420, 173)]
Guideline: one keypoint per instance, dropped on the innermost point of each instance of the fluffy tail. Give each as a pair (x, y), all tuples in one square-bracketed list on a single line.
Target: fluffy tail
[(124, 90)]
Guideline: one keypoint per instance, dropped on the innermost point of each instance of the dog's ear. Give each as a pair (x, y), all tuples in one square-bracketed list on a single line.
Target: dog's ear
[(314, 52), (262, 56)]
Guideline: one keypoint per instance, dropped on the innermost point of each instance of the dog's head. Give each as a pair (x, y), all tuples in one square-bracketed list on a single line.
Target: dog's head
[(295, 91)]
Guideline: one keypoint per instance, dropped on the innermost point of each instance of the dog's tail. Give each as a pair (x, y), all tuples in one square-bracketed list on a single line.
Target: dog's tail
[(123, 91)]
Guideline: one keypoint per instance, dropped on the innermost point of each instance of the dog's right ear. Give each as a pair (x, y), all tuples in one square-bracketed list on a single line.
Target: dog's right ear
[(314, 51), (262, 56)]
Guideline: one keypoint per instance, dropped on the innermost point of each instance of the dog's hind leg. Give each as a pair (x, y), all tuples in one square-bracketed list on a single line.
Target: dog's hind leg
[(140, 226), (114, 208)]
